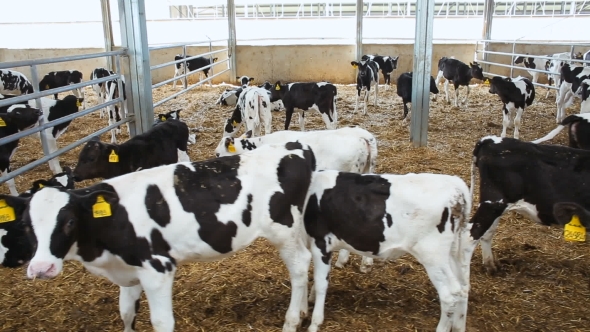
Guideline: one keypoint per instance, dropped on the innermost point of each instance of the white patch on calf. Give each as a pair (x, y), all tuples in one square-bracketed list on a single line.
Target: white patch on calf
[(525, 208), (3, 249)]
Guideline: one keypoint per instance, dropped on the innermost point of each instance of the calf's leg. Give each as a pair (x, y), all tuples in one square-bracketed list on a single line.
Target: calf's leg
[(158, 290), (485, 221), (321, 270), (505, 120), (358, 95), (517, 121), (129, 305)]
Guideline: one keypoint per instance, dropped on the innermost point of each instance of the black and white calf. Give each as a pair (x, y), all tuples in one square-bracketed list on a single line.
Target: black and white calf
[(53, 109), (320, 96), (532, 63), (245, 81), (175, 115), (367, 76), (515, 95), (15, 247), (527, 178), (459, 73), (387, 64), (572, 83), (387, 216), (14, 118), (14, 82), (578, 131), (554, 67), (136, 229), (253, 109), (58, 79), (115, 114), (163, 144), (359, 156), (193, 64), (404, 89), (100, 88)]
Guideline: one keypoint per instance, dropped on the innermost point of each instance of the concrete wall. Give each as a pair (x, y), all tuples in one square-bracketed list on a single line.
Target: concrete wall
[(284, 62)]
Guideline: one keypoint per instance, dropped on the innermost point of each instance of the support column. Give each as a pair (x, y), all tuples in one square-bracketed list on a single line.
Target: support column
[(359, 29), (231, 25), (422, 69), (107, 29), (138, 78), (488, 14)]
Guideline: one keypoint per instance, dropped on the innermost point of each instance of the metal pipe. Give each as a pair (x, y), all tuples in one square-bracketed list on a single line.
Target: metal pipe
[(210, 57), (188, 59), (165, 46), (58, 152), (160, 102), (535, 43), (537, 84), (533, 56), (185, 77), (107, 30), (43, 134), (23, 98), (516, 67), (488, 15), (512, 62), (231, 43), (157, 85), (25, 63), (55, 122), (359, 29)]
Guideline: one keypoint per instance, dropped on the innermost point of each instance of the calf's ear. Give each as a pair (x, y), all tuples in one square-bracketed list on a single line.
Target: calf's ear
[(97, 200), (354, 64), (12, 207), (563, 213), (251, 79)]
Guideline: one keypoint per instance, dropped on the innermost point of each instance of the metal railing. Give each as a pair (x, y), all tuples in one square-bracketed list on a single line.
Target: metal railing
[(186, 74), (482, 46), (37, 95)]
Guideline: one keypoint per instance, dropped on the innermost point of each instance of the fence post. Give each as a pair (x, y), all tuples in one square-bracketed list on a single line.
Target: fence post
[(359, 29), (488, 15), (231, 22), (42, 135), (138, 77), (107, 30), (422, 70)]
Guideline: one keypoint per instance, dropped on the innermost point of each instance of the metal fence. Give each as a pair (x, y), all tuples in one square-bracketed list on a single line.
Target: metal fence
[(37, 95), (186, 74), (482, 52)]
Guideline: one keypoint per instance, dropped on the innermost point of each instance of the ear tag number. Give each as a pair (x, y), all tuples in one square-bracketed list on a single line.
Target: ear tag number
[(574, 230), (113, 157), (101, 208), (6, 212)]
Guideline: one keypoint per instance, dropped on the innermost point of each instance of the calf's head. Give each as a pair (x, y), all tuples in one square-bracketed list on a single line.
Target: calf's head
[(564, 211), (15, 246), (363, 67), (21, 117), (94, 159), (227, 146), (496, 83), (433, 87), (245, 80), (55, 219), (476, 70)]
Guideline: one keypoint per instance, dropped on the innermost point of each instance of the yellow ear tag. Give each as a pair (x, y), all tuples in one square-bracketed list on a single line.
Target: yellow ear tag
[(231, 148), (2, 123), (355, 66), (162, 118), (78, 103), (101, 209), (574, 231), (113, 157), (40, 186), (234, 123), (6, 212), (47, 87), (277, 87)]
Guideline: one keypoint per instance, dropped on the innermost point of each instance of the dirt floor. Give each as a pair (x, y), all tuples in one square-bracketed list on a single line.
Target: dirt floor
[(542, 285)]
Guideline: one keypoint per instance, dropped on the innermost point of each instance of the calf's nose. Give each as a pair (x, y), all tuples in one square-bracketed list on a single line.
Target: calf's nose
[(217, 155), (43, 270)]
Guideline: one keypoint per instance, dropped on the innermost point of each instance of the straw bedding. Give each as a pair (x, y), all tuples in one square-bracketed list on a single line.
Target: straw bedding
[(542, 284)]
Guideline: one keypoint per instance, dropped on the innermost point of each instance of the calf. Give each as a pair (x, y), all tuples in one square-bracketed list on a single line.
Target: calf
[(112, 92), (99, 88), (573, 79), (320, 96), (360, 155), (527, 178), (367, 76), (253, 108), (14, 82), (136, 229), (404, 89), (387, 64), (578, 131), (14, 118), (386, 216), (230, 97), (515, 94), (532, 63), (161, 145), (58, 79), (245, 81), (554, 67), (193, 64), (459, 73)]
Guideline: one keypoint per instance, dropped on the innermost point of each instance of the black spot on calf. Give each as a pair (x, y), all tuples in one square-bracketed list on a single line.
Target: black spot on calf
[(443, 220), (247, 214), (157, 206)]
